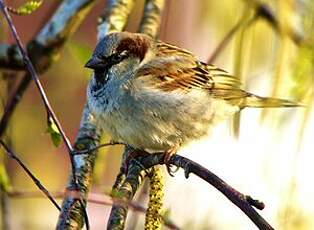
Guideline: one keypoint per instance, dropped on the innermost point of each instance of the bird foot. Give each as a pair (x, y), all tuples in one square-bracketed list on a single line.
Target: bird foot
[(167, 156)]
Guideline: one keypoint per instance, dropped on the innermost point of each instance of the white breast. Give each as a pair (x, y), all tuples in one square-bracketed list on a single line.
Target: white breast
[(155, 120)]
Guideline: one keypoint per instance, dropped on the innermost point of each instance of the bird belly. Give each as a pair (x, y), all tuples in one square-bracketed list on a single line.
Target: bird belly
[(157, 121)]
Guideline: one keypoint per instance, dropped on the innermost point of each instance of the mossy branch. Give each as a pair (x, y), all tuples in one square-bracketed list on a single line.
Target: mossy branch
[(126, 185), (114, 17), (125, 189), (89, 134), (151, 17), (71, 216)]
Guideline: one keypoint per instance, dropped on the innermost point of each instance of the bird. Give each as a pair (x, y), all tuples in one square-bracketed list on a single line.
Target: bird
[(155, 96)]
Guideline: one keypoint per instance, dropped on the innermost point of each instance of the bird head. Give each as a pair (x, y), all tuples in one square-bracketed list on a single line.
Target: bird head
[(118, 53)]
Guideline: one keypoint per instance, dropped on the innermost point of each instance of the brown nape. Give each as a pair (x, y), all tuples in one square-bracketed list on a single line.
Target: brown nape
[(136, 46)]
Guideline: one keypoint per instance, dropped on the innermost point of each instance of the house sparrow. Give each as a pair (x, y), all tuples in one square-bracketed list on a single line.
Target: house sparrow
[(157, 97)]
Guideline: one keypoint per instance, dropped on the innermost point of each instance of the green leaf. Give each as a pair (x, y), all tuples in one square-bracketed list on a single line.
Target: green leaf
[(27, 8), (55, 135)]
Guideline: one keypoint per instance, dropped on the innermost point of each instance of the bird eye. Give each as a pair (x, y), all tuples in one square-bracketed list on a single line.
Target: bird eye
[(118, 57)]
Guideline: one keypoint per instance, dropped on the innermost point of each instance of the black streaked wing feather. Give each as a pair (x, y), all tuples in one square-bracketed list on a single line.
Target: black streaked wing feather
[(176, 69)]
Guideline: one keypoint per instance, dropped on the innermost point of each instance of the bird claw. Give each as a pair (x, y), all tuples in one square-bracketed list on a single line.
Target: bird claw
[(140, 153), (167, 156), (170, 170)]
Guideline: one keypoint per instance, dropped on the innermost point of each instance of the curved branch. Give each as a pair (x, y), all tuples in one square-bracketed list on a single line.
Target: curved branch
[(245, 203)]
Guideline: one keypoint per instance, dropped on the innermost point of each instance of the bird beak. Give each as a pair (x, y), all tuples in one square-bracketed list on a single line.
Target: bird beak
[(94, 63)]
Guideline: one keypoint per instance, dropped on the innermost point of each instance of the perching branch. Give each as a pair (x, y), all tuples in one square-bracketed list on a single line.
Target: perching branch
[(245, 203), (114, 18), (43, 49)]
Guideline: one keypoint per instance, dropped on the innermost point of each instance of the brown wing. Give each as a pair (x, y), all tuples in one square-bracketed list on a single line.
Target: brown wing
[(176, 69)]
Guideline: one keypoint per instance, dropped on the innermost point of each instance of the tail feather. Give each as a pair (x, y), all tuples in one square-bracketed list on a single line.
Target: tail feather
[(252, 100)]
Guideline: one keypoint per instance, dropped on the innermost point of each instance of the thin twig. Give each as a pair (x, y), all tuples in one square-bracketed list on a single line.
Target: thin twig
[(43, 49), (12, 155), (265, 12), (93, 198), (261, 11), (44, 98), (34, 75), (228, 38), (86, 151)]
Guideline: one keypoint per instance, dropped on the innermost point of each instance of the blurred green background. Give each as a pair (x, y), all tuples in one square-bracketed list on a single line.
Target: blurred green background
[(272, 159)]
